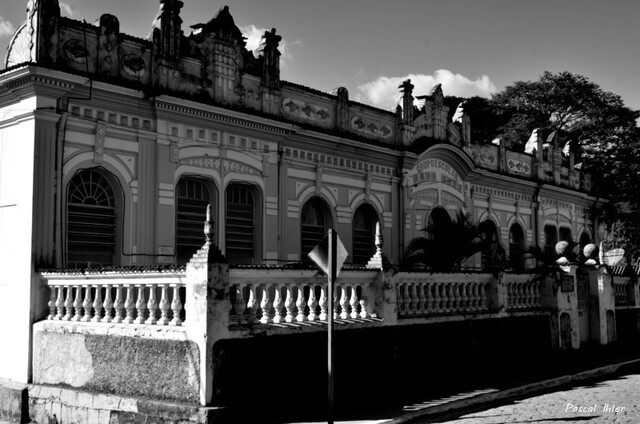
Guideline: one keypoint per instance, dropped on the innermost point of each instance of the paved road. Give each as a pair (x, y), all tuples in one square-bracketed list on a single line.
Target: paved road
[(616, 400)]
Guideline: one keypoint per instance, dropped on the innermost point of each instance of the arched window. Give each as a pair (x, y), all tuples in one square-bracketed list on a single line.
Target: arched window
[(241, 226), (438, 224), (364, 231), (550, 240), (565, 234), (516, 247), (490, 254), (91, 219), (584, 240), (315, 221), (192, 197)]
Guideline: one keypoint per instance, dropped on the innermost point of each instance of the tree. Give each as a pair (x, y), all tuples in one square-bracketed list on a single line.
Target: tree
[(600, 130), (446, 249)]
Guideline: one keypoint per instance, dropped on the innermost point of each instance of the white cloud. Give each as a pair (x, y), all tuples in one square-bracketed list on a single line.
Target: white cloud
[(254, 35), (66, 10), (6, 27), (383, 91)]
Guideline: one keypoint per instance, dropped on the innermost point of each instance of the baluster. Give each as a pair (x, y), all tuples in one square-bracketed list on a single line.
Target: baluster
[(312, 303), (77, 304), (353, 302), (436, 296), (344, 302), (428, 301), (464, 292), (152, 305), (141, 305), (476, 296), (522, 301), (289, 304), (86, 304), (68, 304), (277, 304), (324, 303), (445, 296), (483, 295), (60, 304), (364, 302), (240, 305), (97, 304), (422, 299), (265, 305), (129, 305), (118, 305), (52, 303), (176, 306), (252, 305), (455, 288), (107, 304), (301, 302), (411, 294), (164, 305), (536, 292)]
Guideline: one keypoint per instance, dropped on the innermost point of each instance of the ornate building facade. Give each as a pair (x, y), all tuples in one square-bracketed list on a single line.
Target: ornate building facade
[(111, 146)]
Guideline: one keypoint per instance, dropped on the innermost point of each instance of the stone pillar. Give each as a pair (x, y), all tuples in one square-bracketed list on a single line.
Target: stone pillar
[(207, 307), (384, 292), (602, 307), (268, 50), (559, 294), (342, 109)]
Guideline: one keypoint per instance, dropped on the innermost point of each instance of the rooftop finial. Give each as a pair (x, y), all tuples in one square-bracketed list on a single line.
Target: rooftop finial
[(208, 225)]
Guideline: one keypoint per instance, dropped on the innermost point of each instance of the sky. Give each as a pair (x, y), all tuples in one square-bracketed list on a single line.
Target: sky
[(471, 47)]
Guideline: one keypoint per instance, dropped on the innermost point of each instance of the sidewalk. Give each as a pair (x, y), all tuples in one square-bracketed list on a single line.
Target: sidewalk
[(517, 380)]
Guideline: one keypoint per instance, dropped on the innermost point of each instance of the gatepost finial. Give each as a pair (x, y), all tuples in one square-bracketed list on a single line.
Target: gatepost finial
[(208, 225), (378, 240)]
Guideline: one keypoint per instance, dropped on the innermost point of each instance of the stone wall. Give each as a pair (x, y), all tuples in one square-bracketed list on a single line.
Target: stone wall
[(127, 362)]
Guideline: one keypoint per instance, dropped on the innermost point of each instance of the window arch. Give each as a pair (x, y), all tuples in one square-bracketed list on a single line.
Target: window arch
[(516, 247), (565, 234), (438, 224), (92, 219), (241, 224), (550, 240), (363, 233), (584, 240), (491, 251), (315, 220), (193, 194)]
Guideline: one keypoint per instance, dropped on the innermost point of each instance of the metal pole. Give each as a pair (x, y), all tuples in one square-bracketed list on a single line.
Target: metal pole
[(332, 277)]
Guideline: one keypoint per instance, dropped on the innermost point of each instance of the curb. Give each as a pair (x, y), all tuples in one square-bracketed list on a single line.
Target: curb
[(511, 393)]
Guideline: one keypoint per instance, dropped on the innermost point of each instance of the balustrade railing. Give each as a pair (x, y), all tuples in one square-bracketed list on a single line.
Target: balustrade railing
[(154, 298), (523, 292), (442, 294), (287, 296)]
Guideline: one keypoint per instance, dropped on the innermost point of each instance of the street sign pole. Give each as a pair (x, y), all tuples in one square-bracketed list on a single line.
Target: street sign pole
[(332, 277)]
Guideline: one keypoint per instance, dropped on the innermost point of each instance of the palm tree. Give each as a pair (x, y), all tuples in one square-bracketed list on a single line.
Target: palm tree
[(446, 247)]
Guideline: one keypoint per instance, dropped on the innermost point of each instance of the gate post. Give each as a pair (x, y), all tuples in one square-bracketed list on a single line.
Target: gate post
[(560, 296), (602, 306)]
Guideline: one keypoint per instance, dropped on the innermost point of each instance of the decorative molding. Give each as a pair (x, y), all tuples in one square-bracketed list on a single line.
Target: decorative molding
[(221, 164), (303, 110), (370, 127)]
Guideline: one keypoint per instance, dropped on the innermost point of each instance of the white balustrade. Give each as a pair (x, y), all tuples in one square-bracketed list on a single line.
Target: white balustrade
[(523, 292), (285, 296), (109, 298), (446, 295)]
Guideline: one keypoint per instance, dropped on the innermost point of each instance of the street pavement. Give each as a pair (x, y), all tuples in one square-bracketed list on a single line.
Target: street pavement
[(616, 400)]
